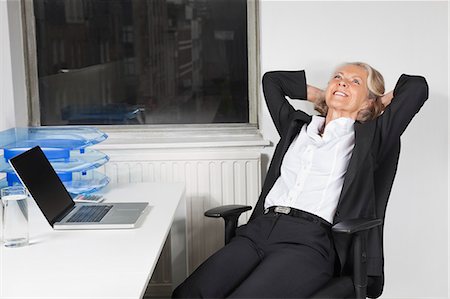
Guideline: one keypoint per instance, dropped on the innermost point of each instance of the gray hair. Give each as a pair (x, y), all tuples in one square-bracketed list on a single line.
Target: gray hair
[(375, 86)]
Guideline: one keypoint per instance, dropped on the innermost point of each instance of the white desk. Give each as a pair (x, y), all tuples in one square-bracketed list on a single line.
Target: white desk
[(101, 263)]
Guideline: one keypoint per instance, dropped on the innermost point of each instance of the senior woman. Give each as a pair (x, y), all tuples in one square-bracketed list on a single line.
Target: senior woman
[(325, 169)]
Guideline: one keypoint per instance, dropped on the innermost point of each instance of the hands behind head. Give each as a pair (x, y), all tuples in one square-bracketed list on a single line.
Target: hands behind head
[(314, 93), (387, 98)]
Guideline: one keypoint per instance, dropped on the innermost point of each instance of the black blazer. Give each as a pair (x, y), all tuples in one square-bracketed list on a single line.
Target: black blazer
[(372, 167)]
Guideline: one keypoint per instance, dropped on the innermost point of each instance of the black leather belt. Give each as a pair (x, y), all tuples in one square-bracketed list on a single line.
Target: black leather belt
[(299, 214)]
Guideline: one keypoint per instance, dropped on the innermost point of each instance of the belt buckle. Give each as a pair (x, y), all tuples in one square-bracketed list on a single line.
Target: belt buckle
[(282, 210)]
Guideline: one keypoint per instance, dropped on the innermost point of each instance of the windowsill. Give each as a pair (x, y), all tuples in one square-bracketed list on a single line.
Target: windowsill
[(182, 137)]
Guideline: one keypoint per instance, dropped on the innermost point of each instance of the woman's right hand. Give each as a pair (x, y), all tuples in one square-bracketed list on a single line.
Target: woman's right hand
[(314, 93)]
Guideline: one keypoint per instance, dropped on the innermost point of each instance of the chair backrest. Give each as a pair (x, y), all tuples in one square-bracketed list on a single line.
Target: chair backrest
[(384, 175)]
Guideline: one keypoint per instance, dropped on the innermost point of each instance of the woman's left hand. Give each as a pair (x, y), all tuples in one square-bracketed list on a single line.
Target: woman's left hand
[(387, 98)]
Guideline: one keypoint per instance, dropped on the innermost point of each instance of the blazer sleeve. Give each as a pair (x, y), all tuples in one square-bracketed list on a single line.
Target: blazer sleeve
[(276, 86), (410, 93)]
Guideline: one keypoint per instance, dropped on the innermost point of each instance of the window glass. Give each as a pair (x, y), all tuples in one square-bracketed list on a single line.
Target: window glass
[(142, 62)]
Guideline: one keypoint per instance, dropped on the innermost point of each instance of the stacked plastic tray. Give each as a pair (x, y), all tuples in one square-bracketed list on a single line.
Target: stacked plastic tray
[(67, 150)]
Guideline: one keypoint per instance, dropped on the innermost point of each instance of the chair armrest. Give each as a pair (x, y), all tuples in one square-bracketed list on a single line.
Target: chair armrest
[(356, 225), (358, 229), (227, 210), (230, 214)]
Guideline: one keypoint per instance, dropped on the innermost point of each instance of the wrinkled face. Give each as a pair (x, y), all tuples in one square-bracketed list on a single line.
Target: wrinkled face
[(347, 91)]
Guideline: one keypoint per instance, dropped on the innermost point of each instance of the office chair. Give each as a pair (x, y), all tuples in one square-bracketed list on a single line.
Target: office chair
[(354, 285), (353, 281)]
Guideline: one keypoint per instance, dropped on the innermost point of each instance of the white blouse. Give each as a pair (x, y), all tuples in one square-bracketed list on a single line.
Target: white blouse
[(313, 168)]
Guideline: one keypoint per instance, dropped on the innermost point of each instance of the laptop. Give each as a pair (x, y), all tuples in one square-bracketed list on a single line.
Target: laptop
[(38, 176)]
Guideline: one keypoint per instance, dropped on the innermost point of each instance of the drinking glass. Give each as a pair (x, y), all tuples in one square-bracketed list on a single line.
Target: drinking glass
[(15, 216)]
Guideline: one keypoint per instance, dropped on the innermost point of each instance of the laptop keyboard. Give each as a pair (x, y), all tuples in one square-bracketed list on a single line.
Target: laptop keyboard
[(90, 213)]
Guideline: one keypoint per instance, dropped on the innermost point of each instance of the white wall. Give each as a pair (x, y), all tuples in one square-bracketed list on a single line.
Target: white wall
[(394, 37), (13, 92), (6, 112)]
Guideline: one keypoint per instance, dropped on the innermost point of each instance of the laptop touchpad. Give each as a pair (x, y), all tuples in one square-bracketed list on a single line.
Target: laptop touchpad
[(123, 214)]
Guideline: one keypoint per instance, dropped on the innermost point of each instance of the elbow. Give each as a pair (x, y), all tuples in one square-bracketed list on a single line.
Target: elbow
[(415, 83), (268, 77), (425, 88), (270, 81), (421, 86)]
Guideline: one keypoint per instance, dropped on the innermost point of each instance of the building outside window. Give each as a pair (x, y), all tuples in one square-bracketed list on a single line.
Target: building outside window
[(125, 62)]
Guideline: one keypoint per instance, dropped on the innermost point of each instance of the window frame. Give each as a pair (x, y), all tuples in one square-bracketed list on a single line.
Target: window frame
[(253, 79)]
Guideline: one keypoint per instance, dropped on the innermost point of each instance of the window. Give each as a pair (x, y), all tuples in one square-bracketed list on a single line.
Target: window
[(131, 62)]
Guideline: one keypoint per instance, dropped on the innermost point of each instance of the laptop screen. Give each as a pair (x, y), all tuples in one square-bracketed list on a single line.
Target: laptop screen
[(44, 185)]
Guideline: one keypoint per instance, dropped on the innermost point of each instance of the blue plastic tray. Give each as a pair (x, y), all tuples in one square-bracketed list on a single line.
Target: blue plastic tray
[(65, 147), (77, 162), (79, 184), (56, 142)]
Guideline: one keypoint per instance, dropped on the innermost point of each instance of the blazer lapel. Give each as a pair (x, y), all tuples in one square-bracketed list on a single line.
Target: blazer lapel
[(296, 122), (362, 146)]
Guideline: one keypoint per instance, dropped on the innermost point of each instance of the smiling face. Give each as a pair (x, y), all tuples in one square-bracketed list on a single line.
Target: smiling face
[(347, 92)]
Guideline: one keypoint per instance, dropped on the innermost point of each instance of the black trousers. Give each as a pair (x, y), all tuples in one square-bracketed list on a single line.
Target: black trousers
[(273, 256)]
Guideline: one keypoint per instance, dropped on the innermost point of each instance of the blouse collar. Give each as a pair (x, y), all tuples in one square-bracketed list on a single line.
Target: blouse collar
[(336, 128)]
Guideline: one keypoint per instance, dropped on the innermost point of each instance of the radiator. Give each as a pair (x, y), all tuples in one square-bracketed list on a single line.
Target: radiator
[(212, 178)]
